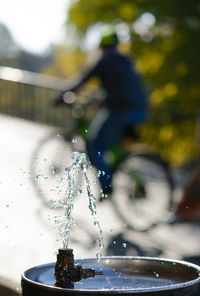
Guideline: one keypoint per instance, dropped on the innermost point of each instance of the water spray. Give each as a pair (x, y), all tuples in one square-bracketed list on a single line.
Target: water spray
[(66, 272)]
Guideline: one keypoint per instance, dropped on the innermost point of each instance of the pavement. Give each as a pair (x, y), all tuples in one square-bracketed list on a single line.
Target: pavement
[(28, 233)]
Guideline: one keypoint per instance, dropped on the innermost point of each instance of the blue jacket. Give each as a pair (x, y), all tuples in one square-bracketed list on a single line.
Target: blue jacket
[(122, 84)]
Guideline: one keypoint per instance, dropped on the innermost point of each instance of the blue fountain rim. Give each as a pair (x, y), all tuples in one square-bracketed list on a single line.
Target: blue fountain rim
[(123, 291)]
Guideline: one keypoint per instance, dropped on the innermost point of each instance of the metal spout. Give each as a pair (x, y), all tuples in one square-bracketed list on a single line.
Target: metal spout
[(67, 273)]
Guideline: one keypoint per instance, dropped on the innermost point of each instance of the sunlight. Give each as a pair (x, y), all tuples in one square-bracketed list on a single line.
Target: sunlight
[(34, 24)]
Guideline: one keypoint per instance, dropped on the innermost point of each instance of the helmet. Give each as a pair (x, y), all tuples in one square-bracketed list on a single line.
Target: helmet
[(109, 38)]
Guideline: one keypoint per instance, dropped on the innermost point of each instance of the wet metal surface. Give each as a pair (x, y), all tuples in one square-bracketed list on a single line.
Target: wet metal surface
[(122, 275)]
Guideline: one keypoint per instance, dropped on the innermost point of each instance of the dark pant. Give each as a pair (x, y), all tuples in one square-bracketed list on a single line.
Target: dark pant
[(106, 130)]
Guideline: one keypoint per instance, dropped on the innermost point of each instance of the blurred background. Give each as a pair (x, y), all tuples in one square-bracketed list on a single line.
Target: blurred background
[(43, 46), (59, 38)]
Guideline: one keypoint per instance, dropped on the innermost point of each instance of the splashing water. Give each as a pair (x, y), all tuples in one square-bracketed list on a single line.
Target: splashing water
[(64, 223)]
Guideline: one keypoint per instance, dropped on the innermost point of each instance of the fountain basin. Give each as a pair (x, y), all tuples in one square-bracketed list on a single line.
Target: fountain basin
[(122, 275)]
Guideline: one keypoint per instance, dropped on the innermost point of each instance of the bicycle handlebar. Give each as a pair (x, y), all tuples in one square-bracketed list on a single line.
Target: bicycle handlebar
[(69, 99)]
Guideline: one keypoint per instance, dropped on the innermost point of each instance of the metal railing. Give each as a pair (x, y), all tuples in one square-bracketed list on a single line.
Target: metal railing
[(30, 95)]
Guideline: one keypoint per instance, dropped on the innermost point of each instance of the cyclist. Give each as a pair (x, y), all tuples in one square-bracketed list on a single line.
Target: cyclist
[(126, 104)]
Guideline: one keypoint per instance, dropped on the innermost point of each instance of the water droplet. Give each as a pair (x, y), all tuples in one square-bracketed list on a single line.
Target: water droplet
[(98, 173), (114, 242), (74, 140), (156, 274), (37, 176), (124, 245), (98, 255)]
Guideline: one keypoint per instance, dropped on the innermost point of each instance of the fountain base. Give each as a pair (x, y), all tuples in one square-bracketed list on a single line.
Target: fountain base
[(67, 272), (121, 276)]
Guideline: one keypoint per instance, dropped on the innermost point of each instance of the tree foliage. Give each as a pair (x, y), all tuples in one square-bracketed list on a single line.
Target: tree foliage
[(66, 62), (165, 45)]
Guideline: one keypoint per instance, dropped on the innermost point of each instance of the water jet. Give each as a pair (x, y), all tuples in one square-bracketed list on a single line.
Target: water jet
[(115, 275)]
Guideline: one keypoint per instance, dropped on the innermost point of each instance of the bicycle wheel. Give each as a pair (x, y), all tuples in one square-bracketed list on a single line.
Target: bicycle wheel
[(143, 190), (50, 159)]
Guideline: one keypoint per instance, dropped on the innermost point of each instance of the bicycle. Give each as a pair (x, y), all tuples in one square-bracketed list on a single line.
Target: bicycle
[(142, 182)]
